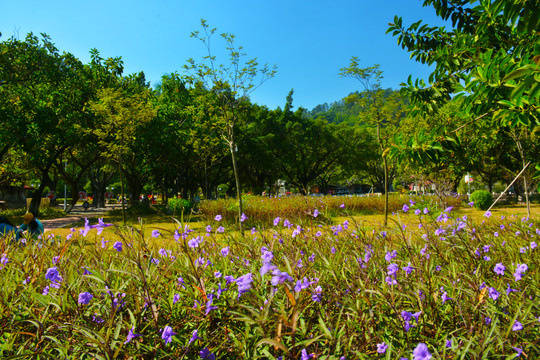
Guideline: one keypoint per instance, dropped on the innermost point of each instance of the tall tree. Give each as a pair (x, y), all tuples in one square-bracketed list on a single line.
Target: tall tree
[(46, 95), (382, 111), (232, 84), (122, 116)]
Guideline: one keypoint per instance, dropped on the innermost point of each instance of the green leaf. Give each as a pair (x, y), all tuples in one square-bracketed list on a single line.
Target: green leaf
[(272, 342), (517, 73)]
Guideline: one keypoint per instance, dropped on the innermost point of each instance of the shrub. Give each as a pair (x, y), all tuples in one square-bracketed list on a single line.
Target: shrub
[(482, 199), (177, 205)]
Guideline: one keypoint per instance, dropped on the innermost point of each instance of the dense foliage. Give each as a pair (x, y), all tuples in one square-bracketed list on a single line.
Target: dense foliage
[(482, 199)]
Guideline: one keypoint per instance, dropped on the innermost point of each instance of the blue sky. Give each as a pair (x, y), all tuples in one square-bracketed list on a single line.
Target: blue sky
[(309, 41)]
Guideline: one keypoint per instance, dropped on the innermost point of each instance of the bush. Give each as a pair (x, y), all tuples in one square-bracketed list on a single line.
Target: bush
[(16, 215), (177, 205), (482, 199)]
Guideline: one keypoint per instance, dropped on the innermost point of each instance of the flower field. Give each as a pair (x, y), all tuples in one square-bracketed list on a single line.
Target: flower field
[(440, 287)]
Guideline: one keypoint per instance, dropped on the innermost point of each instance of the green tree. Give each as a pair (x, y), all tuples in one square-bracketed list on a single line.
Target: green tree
[(304, 149), (489, 57), (232, 84), (43, 97), (122, 115), (382, 111)]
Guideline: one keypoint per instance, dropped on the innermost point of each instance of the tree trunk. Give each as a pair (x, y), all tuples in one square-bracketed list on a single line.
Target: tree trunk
[(36, 197), (122, 191), (385, 161)]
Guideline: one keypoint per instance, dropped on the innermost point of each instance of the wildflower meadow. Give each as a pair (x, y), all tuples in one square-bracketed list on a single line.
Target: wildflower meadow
[(433, 285)]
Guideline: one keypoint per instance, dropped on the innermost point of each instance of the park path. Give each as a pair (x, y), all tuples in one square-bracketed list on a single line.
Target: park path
[(75, 216), (63, 222)]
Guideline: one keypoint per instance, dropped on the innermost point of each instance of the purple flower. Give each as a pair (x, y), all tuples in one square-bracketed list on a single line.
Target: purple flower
[(176, 298), (193, 243), (218, 217), (381, 348), (499, 269), (209, 306), (162, 252), (518, 351), (390, 255), (423, 251), (194, 336), (155, 234), (304, 355), (445, 297), (225, 251), (493, 293), (517, 326), (315, 213), (131, 335), (243, 283), (405, 208), (421, 352), (220, 229), (167, 334), (276, 221), (487, 214), (100, 226), (243, 217), (448, 209), (317, 294), (279, 277), (206, 354), (408, 269), (342, 206), (471, 204), (518, 275), (392, 269), (85, 297), (417, 212), (267, 256), (509, 289), (448, 343), (118, 246), (52, 274)]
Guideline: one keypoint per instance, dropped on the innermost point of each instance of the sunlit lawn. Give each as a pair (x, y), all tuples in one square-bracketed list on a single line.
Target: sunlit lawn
[(168, 224)]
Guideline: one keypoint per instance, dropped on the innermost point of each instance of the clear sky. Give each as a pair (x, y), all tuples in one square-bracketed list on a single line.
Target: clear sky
[(309, 41)]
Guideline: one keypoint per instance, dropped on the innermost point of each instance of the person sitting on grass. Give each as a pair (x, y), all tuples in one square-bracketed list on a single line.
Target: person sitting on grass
[(33, 225), (7, 228)]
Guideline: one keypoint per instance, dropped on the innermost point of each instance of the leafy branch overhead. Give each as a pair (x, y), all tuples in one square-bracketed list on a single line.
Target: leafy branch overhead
[(489, 58)]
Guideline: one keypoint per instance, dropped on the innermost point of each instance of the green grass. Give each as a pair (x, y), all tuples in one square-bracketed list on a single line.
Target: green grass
[(334, 296)]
